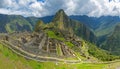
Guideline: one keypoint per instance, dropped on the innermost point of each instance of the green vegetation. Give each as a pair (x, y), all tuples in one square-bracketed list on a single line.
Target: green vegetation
[(39, 26), (59, 51), (112, 43), (100, 54), (18, 25), (67, 26), (69, 44), (52, 34), (115, 65), (9, 60), (90, 66), (55, 35), (105, 31), (12, 23), (62, 24)]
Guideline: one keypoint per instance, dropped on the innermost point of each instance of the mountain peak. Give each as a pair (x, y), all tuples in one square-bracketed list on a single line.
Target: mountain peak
[(60, 16), (61, 19), (61, 11)]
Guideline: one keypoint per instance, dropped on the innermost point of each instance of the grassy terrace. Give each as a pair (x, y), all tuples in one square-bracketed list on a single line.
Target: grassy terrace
[(69, 44), (9, 60), (51, 34)]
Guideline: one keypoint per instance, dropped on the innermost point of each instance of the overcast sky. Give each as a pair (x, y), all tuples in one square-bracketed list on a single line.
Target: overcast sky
[(41, 8)]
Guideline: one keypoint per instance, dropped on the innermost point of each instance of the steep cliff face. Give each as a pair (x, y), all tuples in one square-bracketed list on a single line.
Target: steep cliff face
[(112, 43), (60, 20)]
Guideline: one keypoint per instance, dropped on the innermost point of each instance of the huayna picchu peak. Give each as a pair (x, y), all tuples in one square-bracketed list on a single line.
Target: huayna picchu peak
[(62, 22)]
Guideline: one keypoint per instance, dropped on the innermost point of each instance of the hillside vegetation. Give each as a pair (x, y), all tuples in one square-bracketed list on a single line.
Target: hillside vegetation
[(9, 60), (112, 43)]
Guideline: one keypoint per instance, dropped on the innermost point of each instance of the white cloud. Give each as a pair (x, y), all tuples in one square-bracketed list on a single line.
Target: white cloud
[(36, 8)]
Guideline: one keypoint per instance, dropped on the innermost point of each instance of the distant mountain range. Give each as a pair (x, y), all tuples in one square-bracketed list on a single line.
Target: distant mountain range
[(100, 26), (12, 23), (105, 28)]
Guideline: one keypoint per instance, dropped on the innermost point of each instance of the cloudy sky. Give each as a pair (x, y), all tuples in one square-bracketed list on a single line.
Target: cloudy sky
[(41, 8)]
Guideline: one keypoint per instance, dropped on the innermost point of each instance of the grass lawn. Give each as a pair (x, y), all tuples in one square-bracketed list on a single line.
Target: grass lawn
[(52, 34), (9, 60), (69, 44)]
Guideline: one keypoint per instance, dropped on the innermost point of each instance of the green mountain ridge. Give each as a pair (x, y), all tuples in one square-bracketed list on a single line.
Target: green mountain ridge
[(112, 43), (12, 23)]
